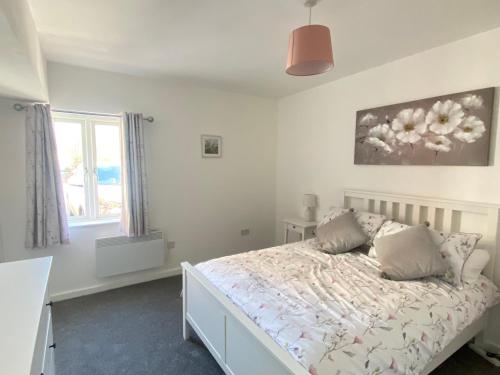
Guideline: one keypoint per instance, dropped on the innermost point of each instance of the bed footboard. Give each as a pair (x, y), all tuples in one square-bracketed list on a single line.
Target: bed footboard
[(471, 332), (236, 343)]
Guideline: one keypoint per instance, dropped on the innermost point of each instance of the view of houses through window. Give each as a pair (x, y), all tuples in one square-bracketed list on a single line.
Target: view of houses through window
[(89, 151)]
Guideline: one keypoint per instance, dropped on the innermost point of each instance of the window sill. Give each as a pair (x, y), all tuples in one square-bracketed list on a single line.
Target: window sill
[(92, 223)]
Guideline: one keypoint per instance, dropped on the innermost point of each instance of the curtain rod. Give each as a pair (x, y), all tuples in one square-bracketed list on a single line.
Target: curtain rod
[(20, 107)]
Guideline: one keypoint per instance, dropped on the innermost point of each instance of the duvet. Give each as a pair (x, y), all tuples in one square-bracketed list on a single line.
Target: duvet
[(335, 314)]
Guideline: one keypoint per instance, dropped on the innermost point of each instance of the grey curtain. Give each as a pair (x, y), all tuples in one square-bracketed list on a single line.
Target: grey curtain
[(135, 222), (46, 214)]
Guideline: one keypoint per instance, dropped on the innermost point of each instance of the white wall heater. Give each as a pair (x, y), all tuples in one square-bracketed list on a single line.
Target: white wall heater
[(118, 255)]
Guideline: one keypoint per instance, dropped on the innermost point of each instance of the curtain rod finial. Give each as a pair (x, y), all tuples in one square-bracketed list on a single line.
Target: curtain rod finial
[(19, 107)]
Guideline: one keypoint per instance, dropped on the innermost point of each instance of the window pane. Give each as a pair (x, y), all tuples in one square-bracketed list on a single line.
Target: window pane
[(108, 165), (69, 149)]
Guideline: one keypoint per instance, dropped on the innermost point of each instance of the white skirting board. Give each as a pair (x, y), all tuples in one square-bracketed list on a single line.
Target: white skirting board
[(130, 280)]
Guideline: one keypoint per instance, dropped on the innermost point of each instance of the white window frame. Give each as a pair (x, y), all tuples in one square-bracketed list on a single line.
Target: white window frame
[(89, 160)]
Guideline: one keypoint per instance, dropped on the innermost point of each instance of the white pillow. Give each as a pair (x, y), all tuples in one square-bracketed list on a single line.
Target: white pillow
[(454, 247), (474, 265)]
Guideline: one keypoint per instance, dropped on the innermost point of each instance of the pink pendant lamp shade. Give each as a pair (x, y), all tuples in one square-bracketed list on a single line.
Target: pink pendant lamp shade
[(309, 48), (309, 51)]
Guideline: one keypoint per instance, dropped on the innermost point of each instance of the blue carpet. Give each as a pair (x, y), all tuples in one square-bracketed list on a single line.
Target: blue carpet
[(134, 330)]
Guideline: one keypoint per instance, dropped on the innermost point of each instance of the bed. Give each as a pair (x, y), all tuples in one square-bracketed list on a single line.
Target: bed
[(294, 310)]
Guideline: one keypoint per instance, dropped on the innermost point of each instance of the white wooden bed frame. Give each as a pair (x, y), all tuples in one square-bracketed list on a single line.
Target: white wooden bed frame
[(241, 347)]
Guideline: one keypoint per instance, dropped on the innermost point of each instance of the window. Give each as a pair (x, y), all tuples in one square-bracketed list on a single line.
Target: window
[(89, 151)]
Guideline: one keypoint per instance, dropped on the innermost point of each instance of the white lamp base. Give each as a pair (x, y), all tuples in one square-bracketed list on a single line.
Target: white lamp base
[(308, 214)]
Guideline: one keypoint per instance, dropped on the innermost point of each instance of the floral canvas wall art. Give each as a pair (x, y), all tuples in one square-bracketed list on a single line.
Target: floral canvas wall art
[(451, 129)]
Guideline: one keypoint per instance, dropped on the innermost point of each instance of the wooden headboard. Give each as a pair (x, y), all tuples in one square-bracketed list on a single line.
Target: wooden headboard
[(443, 214)]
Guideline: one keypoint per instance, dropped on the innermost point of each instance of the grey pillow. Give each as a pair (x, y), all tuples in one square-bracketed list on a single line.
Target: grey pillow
[(410, 254), (341, 234)]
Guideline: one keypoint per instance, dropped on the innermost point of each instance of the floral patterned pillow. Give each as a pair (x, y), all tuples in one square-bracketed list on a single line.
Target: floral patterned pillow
[(389, 227), (332, 214), (369, 222), (454, 247)]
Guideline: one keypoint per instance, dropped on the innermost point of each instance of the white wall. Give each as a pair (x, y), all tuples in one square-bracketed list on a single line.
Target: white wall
[(201, 204), (316, 130), (22, 63), (2, 257)]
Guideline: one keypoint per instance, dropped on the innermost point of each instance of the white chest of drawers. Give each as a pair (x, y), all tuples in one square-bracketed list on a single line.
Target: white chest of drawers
[(26, 343)]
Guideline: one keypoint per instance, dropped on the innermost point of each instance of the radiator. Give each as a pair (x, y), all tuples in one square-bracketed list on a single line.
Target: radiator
[(118, 255)]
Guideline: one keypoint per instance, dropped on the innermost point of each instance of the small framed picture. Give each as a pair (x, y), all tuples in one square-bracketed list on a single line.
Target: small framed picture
[(211, 146)]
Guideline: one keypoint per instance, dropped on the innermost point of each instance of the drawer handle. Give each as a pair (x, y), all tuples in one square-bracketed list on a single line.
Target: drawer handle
[(53, 346), (293, 226), (49, 304)]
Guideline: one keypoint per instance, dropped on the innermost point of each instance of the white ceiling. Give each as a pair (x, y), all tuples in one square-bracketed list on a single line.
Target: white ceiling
[(241, 45), (21, 62)]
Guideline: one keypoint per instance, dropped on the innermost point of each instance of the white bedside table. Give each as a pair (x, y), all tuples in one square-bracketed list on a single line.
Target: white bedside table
[(307, 229)]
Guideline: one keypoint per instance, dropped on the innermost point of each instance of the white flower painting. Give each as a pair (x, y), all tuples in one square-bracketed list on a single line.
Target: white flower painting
[(410, 125), (438, 143), (447, 130), (381, 136), (368, 119), (444, 117), (470, 130), (471, 102)]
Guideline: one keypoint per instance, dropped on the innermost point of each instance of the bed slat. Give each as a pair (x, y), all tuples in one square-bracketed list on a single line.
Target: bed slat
[(431, 216), (366, 205), (415, 217), (402, 212), (389, 209), (491, 242), (447, 220)]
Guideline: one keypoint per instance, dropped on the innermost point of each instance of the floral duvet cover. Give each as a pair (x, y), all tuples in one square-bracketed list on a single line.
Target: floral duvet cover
[(335, 315)]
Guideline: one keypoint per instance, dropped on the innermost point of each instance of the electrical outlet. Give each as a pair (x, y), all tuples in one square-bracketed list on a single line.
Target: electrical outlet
[(170, 245), (245, 232)]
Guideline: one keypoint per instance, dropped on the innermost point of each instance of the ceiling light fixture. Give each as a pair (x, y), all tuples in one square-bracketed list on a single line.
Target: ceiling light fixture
[(309, 48)]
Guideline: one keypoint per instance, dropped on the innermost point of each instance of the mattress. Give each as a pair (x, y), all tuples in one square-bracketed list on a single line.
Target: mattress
[(334, 314)]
